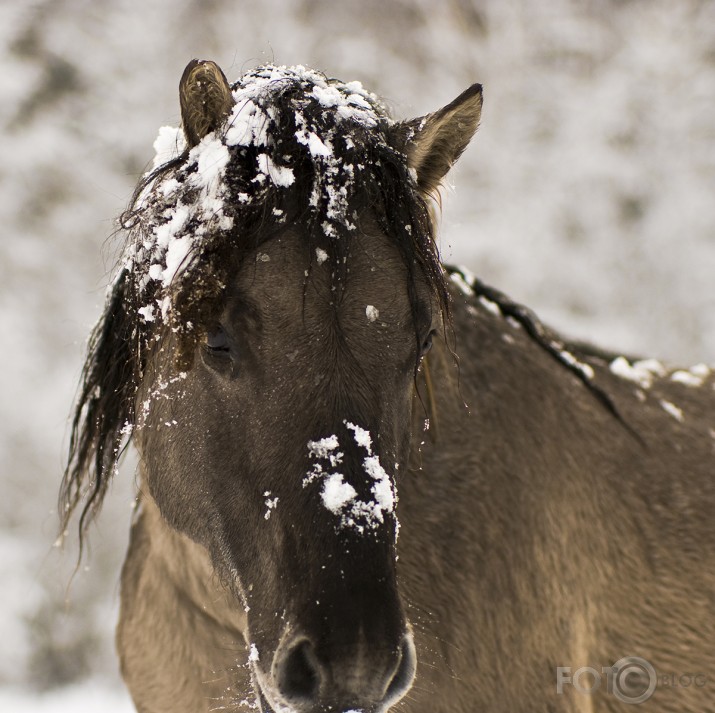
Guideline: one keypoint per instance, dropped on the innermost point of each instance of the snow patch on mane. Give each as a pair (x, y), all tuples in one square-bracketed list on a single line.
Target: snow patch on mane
[(283, 118)]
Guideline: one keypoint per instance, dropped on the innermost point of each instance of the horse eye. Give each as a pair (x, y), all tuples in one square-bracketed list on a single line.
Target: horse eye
[(427, 344), (217, 341)]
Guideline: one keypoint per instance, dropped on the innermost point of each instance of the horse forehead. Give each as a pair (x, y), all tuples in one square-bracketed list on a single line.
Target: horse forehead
[(286, 273)]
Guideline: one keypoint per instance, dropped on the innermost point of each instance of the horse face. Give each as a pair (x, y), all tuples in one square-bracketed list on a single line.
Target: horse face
[(280, 451)]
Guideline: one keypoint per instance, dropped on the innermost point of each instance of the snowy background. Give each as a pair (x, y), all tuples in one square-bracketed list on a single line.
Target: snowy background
[(588, 195)]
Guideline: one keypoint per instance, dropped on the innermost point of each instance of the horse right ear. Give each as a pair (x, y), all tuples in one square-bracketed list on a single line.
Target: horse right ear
[(435, 142), (205, 98)]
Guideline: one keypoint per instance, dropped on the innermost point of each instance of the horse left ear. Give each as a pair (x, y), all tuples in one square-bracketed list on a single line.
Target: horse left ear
[(436, 141), (205, 98)]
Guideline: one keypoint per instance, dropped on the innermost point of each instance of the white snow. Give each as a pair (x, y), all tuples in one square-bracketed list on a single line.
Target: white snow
[(280, 175), (382, 489), (270, 503), (641, 372), (687, 378), (166, 231), (323, 447), (701, 370), (147, 313), (469, 277), (167, 205), (461, 283), (176, 254), (247, 124), (211, 156), (372, 313), (350, 106), (170, 247), (314, 143), (574, 198), (339, 496), (320, 255), (585, 369), (328, 96), (490, 306), (362, 437), (169, 143), (336, 493), (673, 410), (695, 376)]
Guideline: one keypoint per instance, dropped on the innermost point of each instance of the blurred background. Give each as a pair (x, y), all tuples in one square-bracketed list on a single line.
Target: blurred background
[(588, 194)]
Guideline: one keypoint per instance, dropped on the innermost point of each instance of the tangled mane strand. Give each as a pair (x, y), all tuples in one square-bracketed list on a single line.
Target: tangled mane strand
[(297, 148), (104, 407), (564, 353)]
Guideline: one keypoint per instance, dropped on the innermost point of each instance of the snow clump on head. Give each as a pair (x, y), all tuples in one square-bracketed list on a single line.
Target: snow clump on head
[(295, 143), (290, 149)]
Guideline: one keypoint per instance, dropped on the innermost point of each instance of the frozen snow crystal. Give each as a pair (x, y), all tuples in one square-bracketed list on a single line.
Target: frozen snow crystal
[(336, 493), (339, 496), (372, 313), (641, 372), (673, 410)]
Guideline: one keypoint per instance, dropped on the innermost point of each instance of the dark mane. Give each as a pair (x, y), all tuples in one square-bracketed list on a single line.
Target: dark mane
[(570, 355), (265, 345), (298, 149)]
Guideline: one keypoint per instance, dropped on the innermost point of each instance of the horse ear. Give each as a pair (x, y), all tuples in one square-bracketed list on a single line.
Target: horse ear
[(435, 142), (205, 98)]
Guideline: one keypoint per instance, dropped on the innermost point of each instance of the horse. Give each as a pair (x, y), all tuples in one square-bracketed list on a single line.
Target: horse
[(367, 478)]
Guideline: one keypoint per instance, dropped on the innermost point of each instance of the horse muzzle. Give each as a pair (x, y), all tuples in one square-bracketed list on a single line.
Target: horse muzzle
[(303, 680)]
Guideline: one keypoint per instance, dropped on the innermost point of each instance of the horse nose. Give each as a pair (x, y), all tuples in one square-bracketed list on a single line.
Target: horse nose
[(298, 673), (363, 680), (404, 673)]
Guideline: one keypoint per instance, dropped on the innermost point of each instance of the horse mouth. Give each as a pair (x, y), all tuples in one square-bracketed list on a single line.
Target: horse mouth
[(267, 703), (265, 707)]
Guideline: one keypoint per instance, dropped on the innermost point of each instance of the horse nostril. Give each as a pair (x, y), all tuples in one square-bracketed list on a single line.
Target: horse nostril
[(298, 672), (351, 681), (404, 673)]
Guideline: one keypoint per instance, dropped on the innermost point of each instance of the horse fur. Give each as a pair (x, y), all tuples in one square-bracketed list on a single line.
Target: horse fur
[(264, 345)]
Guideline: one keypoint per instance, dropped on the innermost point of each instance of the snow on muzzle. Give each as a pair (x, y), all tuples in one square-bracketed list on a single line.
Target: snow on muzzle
[(361, 514), (353, 650)]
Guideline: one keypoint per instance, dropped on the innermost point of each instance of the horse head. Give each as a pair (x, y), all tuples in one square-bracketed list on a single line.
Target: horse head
[(279, 289)]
